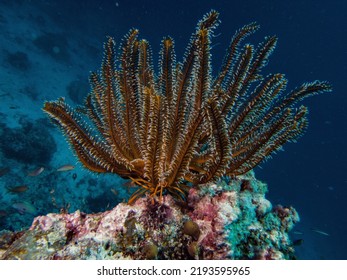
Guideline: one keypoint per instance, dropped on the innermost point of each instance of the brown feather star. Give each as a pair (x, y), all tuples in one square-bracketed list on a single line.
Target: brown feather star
[(183, 127)]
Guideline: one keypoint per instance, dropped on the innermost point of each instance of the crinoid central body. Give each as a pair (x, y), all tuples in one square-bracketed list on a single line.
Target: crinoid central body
[(182, 126)]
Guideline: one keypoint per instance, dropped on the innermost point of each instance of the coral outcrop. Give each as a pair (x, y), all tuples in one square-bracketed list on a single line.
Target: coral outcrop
[(29, 144), (227, 220)]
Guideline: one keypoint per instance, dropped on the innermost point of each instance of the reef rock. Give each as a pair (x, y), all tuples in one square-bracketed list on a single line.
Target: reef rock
[(230, 220)]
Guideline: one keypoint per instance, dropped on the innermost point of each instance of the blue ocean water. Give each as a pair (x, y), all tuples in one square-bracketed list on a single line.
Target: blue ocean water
[(48, 49)]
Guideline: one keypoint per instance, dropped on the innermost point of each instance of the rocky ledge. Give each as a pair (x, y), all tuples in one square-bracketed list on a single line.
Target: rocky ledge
[(227, 220)]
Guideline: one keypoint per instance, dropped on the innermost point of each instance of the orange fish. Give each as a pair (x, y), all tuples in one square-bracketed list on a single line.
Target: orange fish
[(36, 172), (66, 167), (17, 189)]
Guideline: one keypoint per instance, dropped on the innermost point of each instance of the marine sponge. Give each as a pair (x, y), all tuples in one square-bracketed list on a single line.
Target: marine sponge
[(191, 228)]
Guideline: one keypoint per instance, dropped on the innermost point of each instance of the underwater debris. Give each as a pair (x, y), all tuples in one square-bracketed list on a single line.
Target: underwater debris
[(183, 127)]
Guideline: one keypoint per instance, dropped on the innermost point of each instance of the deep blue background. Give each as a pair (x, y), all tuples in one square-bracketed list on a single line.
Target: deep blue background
[(310, 175)]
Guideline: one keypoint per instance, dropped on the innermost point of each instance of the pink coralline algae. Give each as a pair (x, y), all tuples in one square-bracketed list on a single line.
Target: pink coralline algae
[(218, 221)]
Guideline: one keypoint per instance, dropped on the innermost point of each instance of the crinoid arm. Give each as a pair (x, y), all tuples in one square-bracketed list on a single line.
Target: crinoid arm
[(183, 127)]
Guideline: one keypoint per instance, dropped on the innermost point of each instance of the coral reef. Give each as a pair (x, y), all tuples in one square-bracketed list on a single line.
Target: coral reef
[(77, 90), (55, 45), (218, 221), (18, 60), (51, 191), (31, 91), (28, 144)]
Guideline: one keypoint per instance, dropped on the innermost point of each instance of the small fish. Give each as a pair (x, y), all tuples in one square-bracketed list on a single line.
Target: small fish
[(298, 232), (66, 167), (24, 207), (320, 232), (298, 242), (17, 189), (4, 171), (129, 184), (115, 192), (36, 172)]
